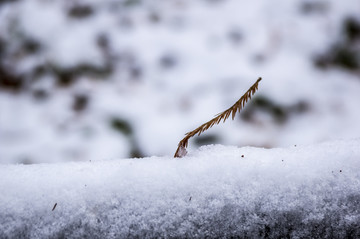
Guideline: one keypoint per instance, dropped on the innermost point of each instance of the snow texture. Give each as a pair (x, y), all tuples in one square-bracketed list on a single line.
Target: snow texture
[(215, 192)]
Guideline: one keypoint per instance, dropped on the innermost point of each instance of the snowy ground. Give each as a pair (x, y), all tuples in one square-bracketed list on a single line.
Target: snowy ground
[(102, 81), (216, 191), (117, 79)]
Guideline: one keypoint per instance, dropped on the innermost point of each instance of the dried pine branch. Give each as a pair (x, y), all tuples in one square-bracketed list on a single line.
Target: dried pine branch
[(181, 150)]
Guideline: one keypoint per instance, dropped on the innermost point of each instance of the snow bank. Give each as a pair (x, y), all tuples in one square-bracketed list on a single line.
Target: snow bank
[(216, 191)]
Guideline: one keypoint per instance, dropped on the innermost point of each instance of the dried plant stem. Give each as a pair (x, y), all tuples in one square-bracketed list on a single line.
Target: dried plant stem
[(181, 150)]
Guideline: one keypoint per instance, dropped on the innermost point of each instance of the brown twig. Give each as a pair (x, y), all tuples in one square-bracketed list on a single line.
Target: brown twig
[(181, 150)]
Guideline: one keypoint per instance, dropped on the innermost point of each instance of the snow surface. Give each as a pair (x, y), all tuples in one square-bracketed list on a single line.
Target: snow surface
[(217, 191)]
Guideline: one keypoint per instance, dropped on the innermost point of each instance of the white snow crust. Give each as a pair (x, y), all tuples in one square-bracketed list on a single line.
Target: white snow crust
[(215, 192)]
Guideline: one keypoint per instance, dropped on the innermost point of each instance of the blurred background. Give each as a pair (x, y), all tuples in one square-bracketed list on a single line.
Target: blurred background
[(88, 80)]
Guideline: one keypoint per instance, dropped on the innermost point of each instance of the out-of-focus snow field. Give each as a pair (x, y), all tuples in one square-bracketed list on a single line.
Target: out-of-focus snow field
[(214, 192), (117, 79)]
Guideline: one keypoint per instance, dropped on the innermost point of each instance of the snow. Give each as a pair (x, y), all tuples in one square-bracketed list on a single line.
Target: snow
[(216, 50), (300, 191), (102, 166), (100, 148)]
